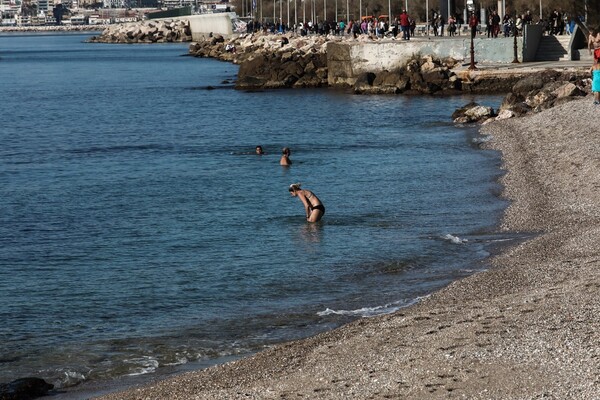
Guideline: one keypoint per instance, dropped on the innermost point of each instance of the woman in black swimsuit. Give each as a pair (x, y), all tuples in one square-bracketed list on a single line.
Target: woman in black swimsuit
[(312, 205)]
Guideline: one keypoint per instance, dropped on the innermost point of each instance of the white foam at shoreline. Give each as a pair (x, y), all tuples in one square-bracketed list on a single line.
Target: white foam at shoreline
[(454, 239), (372, 311), (148, 365)]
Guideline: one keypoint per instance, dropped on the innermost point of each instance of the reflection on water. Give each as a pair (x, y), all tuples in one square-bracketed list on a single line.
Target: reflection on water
[(311, 233)]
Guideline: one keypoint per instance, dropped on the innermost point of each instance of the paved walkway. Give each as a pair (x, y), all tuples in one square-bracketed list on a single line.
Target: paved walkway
[(527, 67)]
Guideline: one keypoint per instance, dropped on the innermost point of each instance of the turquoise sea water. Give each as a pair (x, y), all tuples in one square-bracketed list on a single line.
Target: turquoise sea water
[(138, 231)]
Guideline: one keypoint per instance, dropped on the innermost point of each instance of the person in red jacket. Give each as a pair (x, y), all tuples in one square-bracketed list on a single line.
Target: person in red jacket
[(473, 22), (405, 25)]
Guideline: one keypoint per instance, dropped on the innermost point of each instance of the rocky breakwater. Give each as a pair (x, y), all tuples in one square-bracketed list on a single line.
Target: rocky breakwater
[(153, 31), (531, 94), (270, 61)]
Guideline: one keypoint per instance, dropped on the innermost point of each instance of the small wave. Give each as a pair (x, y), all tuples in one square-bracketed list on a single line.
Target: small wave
[(68, 379), (454, 239), (144, 365), (371, 311), (480, 140), (180, 360)]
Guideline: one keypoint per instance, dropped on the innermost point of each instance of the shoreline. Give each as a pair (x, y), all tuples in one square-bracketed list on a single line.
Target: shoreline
[(526, 328), (53, 28)]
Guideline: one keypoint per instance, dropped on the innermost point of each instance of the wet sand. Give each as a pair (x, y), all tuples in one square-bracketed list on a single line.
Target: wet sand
[(527, 328)]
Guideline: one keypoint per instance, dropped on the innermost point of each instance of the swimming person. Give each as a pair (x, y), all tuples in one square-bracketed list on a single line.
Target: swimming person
[(312, 205), (285, 157), (259, 151)]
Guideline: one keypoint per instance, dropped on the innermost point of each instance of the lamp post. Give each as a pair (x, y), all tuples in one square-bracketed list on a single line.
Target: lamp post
[(347, 11), (427, 17), (472, 66), (516, 59), (303, 11), (390, 13)]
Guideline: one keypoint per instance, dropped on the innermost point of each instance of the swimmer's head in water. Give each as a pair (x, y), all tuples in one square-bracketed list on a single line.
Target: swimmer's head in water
[(294, 187), (286, 151)]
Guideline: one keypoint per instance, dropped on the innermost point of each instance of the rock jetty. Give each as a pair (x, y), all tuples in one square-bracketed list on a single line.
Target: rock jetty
[(153, 31), (270, 61)]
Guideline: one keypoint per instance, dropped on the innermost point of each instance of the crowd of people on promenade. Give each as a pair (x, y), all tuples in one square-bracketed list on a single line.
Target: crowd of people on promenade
[(404, 25), (372, 26)]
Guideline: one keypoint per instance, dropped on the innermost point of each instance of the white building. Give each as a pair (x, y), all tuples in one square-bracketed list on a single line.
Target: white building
[(113, 3)]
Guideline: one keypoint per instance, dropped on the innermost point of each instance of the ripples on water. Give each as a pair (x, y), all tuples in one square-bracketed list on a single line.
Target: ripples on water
[(139, 231)]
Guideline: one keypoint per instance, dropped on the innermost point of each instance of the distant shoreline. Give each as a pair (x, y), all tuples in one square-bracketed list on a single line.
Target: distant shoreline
[(53, 28)]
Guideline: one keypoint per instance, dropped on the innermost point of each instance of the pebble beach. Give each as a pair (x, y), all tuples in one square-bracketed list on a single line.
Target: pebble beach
[(527, 328)]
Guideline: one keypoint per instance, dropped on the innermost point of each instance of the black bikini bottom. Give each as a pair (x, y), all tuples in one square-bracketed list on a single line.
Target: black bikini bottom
[(318, 207)]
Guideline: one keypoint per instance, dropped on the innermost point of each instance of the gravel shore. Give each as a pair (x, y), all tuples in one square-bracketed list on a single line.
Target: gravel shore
[(528, 328)]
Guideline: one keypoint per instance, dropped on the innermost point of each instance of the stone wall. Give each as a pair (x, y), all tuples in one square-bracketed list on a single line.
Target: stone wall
[(203, 25), (348, 59)]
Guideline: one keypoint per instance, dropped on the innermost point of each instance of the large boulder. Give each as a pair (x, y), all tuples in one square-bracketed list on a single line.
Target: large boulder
[(24, 389), (364, 82), (528, 84), (253, 73), (472, 112)]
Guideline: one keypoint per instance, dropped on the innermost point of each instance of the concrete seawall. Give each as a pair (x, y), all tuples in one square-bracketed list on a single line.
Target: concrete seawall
[(347, 60), (205, 24)]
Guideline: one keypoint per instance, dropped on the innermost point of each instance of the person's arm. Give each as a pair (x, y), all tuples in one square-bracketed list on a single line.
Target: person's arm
[(305, 202)]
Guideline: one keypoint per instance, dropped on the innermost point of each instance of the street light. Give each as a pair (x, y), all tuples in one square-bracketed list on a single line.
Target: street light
[(427, 17), (516, 59), (347, 11), (390, 12), (303, 11), (471, 8)]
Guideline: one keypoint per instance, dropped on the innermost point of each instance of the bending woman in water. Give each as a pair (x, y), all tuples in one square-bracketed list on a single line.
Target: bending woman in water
[(312, 205)]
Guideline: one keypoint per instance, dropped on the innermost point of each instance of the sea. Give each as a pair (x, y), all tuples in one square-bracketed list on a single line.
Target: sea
[(141, 235)]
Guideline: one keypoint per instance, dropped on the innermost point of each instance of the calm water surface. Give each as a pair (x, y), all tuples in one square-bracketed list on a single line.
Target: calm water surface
[(138, 231)]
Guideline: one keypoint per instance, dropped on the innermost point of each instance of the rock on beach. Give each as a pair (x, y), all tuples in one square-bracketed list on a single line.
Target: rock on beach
[(527, 328)]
